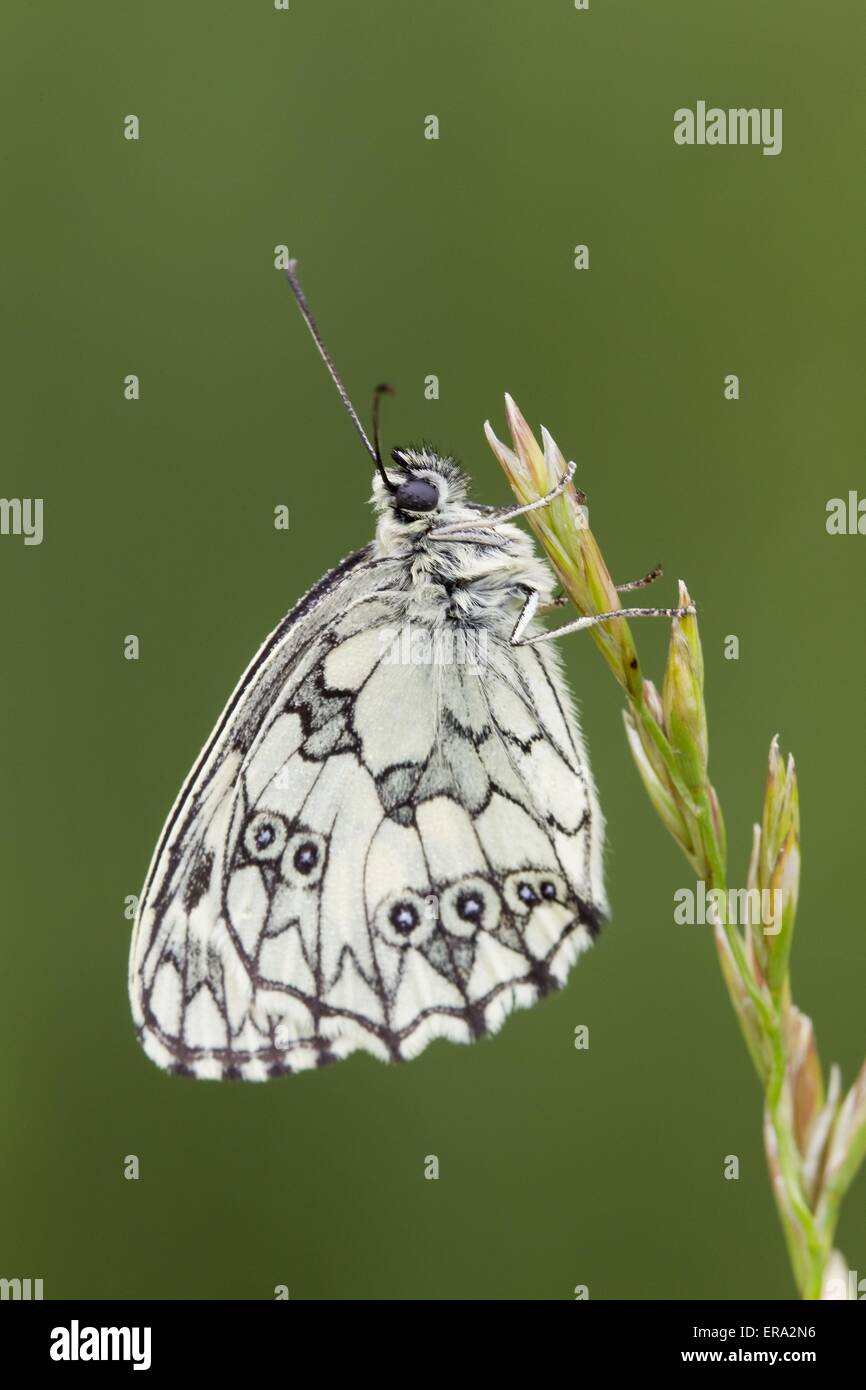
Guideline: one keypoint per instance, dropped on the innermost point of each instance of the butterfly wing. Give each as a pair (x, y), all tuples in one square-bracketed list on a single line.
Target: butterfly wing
[(385, 841)]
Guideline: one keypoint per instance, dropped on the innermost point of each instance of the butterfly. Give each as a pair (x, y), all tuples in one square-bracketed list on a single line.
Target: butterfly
[(393, 833)]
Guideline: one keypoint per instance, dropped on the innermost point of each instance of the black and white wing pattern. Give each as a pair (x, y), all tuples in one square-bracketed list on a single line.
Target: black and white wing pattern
[(371, 852)]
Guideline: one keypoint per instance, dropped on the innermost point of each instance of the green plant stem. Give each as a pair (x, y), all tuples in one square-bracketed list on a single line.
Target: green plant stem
[(807, 1248), (809, 1273), (668, 735)]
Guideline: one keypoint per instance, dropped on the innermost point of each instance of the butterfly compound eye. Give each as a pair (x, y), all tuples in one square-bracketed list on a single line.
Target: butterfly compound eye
[(417, 495)]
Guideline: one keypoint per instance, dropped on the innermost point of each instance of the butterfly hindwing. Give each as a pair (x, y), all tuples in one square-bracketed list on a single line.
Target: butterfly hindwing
[(386, 841)]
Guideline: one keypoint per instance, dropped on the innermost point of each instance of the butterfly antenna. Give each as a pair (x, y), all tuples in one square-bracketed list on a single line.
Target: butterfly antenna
[(291, 273), (383, 390)]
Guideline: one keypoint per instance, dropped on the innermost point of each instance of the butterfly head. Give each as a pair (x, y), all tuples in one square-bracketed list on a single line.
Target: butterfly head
[(424, 487)]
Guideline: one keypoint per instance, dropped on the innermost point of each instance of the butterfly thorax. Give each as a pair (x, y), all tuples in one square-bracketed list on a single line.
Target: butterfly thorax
[(479, 574)]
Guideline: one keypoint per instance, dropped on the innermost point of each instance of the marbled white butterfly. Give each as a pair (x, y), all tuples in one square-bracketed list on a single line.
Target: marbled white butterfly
[(392, 834)]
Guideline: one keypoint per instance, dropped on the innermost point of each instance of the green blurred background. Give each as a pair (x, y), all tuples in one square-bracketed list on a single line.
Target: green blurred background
[(454, 257)]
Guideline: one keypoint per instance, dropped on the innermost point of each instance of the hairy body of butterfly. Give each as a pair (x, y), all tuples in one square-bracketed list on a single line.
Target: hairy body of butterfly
[(392, 834)]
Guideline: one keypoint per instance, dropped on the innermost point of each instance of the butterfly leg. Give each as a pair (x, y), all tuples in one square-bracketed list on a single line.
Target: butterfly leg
[(541, 501), (495, 517), (530, 608), (641, 583), (561, 600)]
